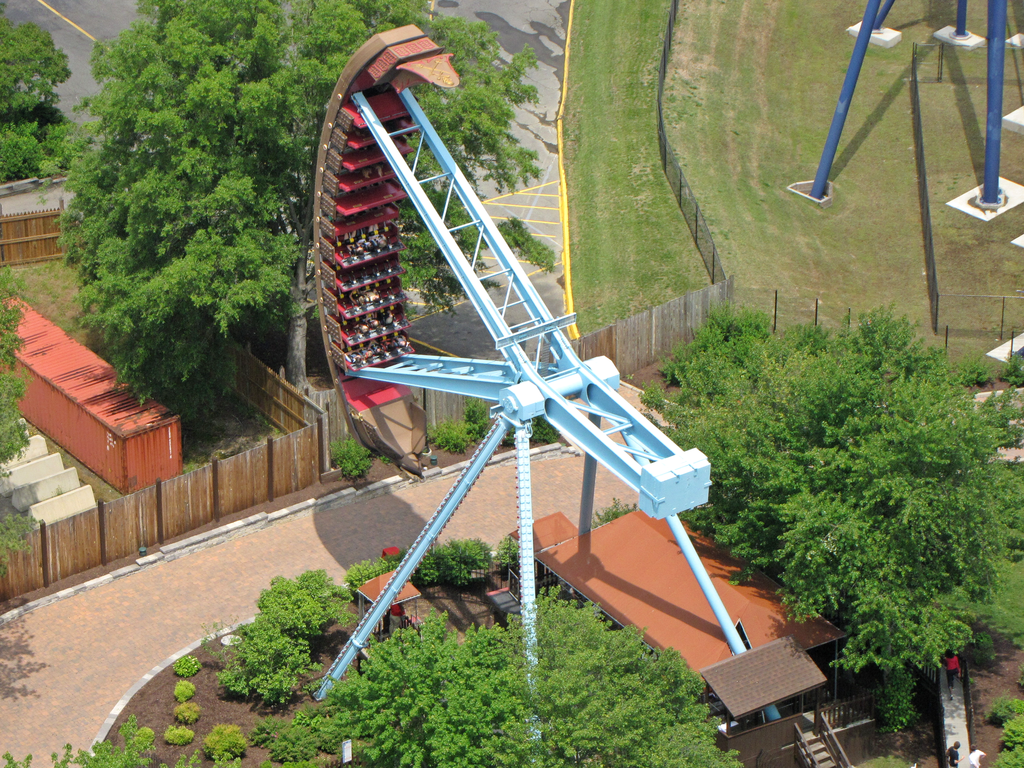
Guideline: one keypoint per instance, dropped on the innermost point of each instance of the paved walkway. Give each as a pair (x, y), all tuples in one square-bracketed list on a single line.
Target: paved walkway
[(64, 667), (954, 715)]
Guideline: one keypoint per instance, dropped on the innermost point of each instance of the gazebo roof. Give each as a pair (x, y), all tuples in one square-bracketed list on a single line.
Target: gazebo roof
[(774, 672), (371, 590)]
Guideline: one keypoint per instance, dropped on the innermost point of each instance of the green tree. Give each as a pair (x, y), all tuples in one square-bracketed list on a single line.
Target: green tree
[(193, 219), (854, 468), (596, 697), (275, 649)]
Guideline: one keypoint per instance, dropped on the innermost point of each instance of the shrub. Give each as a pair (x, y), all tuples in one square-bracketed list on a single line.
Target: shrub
[(300, 764), (183, 691), (983, 650), (351, 458), (614, 511), (329, 732), (144, 739), (543, 432), (293, 744), (225, 742), (508, 552), (187, 666), (1004, 709), (266, 730), (178, 735), (972, 371), (1020, 679), (478, 419), (274, 650), (187, 712), (1013, 371), (1013, 734), (21, 155), (360, 573), (1013, 758), (452, 563), (895, 702), (451, 436)]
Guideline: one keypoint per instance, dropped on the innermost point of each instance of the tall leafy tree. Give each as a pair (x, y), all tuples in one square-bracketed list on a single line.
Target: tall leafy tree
[(193, 220), (853, 467), (595, 697)]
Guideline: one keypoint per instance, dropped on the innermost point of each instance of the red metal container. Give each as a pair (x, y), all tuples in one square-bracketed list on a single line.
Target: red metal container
[(73, 396)]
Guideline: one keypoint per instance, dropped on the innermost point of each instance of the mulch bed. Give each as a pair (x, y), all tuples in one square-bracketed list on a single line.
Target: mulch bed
[(153, 706), (989, 683)]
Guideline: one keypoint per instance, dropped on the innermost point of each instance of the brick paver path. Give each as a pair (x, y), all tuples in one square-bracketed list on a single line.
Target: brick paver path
[(63, 667)]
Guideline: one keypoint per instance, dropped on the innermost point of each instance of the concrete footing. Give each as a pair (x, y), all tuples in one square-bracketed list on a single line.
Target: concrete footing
[(1014, 121), (883, 38), (970, 42), (803, 188), (1014, 196)]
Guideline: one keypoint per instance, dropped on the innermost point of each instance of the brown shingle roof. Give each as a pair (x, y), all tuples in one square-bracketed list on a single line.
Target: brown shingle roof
[(774, 672), (633, 569)]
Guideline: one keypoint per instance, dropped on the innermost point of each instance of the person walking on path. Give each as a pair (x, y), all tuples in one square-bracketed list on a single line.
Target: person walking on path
[(974, 759), (952, 663), (953, 755)]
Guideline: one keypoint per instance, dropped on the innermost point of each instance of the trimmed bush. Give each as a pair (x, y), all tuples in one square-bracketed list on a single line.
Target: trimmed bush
[(329, 732), (144, 739), (360, 573), (351, 458), (543, 432), (983, 650), (508, 552), (294, 743), (452, 563), (451, 436), (266, 730), (187, 666), (972, 371), (178, 735), (1013, 371), (183, 691), (1004, 709), (895, 702), (225, 742), (1013, 734), (478, 418), (187, 712)]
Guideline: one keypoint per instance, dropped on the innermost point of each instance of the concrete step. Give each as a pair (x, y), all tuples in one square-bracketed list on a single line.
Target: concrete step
[(30, 472), (25, 496), (65, 505)]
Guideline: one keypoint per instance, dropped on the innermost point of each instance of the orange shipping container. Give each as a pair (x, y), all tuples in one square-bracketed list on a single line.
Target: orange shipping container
[(73, 397)]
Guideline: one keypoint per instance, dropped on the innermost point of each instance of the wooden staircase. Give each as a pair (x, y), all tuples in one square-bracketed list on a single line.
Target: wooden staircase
[(821, 749)]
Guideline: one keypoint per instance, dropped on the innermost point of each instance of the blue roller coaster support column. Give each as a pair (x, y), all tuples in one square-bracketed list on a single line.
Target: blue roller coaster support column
[(835, 131), (991, 196), (880, 18), (961, 19), (527, 566)]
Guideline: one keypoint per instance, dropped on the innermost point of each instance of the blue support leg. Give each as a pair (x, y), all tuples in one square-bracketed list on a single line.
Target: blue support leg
[(880, 18), (835, 131), (527, 566), (961, 19), (361, 635), (991, 197)]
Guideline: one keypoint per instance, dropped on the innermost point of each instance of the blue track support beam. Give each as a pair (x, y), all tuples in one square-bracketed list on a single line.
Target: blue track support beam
[(361, 636), (990, 195), (835, 131), (527, 564), (961, 19), (589, 483), (461, 376), (880, 18)]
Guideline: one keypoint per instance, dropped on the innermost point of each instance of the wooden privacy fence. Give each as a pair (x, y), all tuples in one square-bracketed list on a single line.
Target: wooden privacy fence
[(285, 407), (26, 238), (642, 339), (439, 406), (166, 510)]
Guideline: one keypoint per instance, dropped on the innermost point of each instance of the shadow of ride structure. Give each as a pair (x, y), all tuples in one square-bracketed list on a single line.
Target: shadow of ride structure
[(16, 661), (968, 113), (850, 150)]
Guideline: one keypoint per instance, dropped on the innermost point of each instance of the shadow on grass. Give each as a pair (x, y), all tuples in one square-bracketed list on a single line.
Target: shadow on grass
[(968, 114), (869, 124)]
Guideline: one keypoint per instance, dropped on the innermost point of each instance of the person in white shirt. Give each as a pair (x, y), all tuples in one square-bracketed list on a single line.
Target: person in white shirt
[(974, 759)]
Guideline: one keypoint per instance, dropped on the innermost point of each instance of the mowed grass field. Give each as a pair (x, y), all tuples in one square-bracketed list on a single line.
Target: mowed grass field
[(749, 98), (630, 245)]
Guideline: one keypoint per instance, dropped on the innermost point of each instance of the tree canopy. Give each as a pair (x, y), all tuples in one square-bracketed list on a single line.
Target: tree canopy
[(32, 129), (596, 697), (853, 467), (193, 217)]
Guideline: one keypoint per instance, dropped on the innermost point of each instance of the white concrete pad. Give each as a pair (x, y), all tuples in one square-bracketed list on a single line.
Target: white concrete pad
[(1014, 121), (65, 505), (1002, 352), (948, 36), (1019, 241), (41, 490), (1014, 196), (35, 449), (883, 38), (23, 474), (1017, 41)]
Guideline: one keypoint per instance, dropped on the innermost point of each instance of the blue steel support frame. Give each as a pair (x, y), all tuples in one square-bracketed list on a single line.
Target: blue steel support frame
[(668, 479), (835, 131), (527, 561), (880, 18), (361, 636), (961, 19), (991, 196)]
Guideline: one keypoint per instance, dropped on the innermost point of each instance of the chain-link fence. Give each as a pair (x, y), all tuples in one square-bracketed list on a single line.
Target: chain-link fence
[(674, 172)]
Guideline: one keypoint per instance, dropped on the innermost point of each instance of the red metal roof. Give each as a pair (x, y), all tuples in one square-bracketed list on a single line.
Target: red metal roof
[(84, 377), (633, 569), (371, 590)]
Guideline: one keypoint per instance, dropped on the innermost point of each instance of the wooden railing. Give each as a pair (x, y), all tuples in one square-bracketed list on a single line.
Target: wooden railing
[(846, 712), (805, 755), (832, 745)]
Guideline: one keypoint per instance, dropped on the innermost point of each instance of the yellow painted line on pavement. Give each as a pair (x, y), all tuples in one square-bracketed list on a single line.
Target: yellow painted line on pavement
[(69, 21), (521, 191), (531, 207), (430, 346), (528, 221), (563, 202)]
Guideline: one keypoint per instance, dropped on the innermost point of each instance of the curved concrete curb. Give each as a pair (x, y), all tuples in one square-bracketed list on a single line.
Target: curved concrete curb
[(104, 730), (261, 520)]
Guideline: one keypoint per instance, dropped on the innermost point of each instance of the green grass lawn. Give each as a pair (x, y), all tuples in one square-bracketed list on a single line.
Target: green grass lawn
[(631, 248), (51, 289), (751, 91), (1003, 612)]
